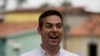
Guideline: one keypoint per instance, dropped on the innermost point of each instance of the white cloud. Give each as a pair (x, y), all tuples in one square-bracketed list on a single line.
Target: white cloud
[(34, 3), (55, 3), (88, 5), (93, 6), (39, 3), (79, 3), (1, 3), (11, 5)]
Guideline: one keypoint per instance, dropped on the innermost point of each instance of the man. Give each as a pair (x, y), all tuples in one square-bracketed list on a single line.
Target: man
[(51, 30)]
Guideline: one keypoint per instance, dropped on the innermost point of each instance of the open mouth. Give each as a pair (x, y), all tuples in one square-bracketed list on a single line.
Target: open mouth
[(54, 37)]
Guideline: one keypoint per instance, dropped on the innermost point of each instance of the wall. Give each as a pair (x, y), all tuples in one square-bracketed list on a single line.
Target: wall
[(74, 20), (79, 45), (2, 46), (27, 41), (21, 17)]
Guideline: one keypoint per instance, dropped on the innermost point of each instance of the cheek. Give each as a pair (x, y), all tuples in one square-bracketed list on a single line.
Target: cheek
[(45, 33), (61, 32)]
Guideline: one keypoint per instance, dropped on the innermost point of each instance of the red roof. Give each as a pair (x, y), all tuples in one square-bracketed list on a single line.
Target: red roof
[(89, 27), (8, 28)]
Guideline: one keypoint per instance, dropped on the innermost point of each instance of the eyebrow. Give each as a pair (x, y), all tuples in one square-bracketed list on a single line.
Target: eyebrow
[(48, 23), (59, 23), (56, 23)]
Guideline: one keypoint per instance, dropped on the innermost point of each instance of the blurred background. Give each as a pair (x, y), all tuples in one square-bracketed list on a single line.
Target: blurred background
[(19, 20)]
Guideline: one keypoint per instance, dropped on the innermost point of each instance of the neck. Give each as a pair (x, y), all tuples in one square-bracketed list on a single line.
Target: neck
[(51, 50)]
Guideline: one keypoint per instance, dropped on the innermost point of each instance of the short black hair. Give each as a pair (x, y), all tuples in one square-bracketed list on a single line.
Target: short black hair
[(48, 13)]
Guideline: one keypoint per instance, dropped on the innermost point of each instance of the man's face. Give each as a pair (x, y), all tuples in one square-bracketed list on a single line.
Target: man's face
[(52, 30)]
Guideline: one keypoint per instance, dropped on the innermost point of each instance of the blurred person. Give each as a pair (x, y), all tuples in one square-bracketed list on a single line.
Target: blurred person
[(51, 30)]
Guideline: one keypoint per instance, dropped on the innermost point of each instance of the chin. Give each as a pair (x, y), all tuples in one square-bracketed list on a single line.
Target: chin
[(54, 44)]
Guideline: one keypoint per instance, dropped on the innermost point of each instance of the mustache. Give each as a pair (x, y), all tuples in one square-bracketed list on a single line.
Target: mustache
[(54, 33)]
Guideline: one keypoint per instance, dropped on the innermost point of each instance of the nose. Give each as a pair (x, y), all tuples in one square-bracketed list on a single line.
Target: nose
[(54, 29)]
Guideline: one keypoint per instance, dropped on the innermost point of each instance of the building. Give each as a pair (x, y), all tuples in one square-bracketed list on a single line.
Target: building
[(85, 38), (18, 38)]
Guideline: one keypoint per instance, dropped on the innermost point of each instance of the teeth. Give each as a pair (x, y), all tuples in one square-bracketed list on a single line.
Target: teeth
[(53, 37)]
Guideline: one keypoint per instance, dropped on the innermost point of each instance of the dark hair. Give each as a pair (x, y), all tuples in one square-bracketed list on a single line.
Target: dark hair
[(48, 13)]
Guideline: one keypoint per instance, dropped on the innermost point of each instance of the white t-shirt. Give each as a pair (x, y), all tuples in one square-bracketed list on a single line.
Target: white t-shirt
[(41, 52)]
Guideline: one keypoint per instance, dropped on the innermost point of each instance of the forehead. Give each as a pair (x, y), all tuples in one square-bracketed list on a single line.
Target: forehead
[(52, 19)]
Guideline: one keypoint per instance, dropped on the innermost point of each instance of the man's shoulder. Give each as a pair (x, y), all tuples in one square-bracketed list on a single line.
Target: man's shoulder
[(30, 53), (67, 53)]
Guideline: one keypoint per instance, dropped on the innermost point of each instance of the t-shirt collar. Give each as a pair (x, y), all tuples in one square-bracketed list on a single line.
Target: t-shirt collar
[(46, 54)]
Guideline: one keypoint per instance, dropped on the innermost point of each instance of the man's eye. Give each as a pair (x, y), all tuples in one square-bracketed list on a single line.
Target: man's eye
[(59, 26), (48, 26)]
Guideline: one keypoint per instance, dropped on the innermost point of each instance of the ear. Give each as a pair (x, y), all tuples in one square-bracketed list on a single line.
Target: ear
[(39, 30)]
